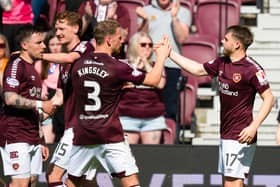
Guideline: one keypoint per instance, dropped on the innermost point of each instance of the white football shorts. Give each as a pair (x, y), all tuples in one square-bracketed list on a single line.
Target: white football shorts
[(116, 158), (22, 160), (235, 159), (62, 152)]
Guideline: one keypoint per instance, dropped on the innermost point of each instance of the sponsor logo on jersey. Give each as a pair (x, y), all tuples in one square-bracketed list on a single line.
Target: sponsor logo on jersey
[(87, 62), (12, 82), (236, 77), (261, 77), (136, 72), (35, 92), (81, 47)]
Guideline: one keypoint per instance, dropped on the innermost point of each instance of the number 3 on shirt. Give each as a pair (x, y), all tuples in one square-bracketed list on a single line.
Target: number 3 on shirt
[(94, 95)]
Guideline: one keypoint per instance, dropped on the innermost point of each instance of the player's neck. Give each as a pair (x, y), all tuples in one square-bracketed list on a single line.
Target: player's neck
[(73, 43), (102, 49), (26, 57), (237, 56)]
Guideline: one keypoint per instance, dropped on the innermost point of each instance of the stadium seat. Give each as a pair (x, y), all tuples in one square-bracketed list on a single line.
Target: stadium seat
[(188, 98), (201, 48), (169, 134), (249, 2), (214, 16), (188, 4), (131, 5)]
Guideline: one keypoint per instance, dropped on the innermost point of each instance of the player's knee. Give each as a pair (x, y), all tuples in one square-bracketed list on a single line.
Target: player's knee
[(19, 183), (33, 181), (53, 178), (54, 174)]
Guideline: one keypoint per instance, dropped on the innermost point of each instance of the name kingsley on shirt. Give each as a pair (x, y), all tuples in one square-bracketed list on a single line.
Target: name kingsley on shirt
[(93, 70)]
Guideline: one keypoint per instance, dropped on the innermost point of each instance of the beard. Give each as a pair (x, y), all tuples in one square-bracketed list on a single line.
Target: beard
[(226, 52), (117, 50)]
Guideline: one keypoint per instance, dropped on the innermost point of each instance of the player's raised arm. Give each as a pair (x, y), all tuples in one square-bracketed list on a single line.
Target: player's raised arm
[(187, 64), (162, 51), (60, 58)]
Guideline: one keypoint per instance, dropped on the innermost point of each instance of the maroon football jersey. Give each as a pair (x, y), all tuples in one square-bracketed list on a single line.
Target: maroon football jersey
[(97, 82), (21, 124), (82, 48), (238, 84)]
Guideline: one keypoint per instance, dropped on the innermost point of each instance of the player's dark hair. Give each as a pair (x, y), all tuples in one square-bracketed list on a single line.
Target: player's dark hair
[(25, 32), (242, 33), (103, 29), (72, 19)]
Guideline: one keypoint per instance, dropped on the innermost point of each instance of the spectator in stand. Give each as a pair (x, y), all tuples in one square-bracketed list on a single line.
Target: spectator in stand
[(55, 7), (20, 14), (49, 72), (37, 6), (167, 17), (108, 9), (5, 5), (41, 11), (4, 56), (143, 118)]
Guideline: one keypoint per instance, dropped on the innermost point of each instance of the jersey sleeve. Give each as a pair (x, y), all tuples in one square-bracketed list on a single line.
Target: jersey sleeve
[(129, 73), (259, 80), (212, 67), (82, 47), (13, 75)]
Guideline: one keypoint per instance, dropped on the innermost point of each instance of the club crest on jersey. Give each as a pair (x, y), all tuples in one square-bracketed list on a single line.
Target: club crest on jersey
[(136, 73), (261, 77), (15, 166), (211, 62), (236, 77)]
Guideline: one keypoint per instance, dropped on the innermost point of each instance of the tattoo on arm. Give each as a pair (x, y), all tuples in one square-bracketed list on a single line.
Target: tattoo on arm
[(17, 101)]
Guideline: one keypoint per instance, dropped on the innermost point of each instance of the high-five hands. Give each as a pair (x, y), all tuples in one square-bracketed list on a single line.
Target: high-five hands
[(163, 48), (175, 6)]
